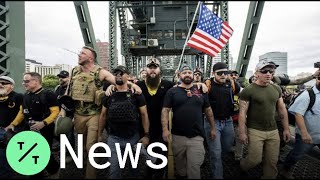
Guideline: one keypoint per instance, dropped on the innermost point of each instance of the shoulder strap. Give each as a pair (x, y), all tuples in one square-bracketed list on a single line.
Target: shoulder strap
[(233, 86), (312, 100), (97, 81)]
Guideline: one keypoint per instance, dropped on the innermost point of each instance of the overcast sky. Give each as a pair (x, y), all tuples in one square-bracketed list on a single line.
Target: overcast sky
[(52, 31)]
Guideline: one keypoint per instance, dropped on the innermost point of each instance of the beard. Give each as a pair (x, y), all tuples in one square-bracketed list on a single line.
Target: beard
[(84, 62), (187, 80), (119, 82), (3, 92), (153, 82)]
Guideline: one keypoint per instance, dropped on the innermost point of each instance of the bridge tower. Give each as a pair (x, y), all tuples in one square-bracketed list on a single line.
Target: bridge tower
[(160, 29)]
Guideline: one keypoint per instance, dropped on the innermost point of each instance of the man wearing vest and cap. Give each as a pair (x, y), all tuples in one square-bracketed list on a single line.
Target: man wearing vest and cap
[(120, 110), (221, 92), (257, 125), (10, 103), (188, 103)]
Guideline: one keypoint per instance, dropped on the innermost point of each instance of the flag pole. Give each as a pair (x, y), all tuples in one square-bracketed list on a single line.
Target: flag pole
[(185, 43)]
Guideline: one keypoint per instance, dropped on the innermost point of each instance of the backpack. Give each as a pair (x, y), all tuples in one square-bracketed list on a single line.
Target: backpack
[(312, 96)]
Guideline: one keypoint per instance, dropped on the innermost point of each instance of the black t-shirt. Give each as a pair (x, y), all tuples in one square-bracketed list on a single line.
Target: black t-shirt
[(60, 91), (221, 99), (9, 108), (187, 110), (154, 107), (36, 105), (122, 113)]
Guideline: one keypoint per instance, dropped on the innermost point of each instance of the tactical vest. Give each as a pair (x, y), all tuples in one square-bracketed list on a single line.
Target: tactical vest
[(122, 108), (85, 85)]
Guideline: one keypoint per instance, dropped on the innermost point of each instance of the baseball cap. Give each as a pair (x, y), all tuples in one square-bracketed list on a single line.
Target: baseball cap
[(122, 69), (153, 61), (7, 78), (234, 72), (219, 65), (274, 63), (63, 74), (197, 69), (263, 64), (185, 67)]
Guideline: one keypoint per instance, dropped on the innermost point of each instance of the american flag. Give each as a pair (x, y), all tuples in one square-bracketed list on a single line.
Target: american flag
[(211, 34)]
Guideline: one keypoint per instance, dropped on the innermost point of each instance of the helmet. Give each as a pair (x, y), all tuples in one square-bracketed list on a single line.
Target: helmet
[(66, 102), (62, 125)]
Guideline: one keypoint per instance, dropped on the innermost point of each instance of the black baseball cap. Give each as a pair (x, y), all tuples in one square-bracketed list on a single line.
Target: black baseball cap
[(63, 74), (122, 69)]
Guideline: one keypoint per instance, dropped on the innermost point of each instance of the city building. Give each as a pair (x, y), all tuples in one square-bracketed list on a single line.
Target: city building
[(280, 58), (34, 66)]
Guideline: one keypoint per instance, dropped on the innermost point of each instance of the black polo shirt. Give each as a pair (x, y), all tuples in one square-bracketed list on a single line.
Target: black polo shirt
[(36, 105)]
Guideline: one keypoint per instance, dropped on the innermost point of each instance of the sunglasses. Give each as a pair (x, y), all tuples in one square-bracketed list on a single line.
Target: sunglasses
[(265, 71), (197, 74), (26, 81), (222, 72), (5, 83), (118, 72)]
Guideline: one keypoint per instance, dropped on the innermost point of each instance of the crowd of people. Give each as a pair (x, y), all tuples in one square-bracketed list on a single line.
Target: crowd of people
[(215, 115)]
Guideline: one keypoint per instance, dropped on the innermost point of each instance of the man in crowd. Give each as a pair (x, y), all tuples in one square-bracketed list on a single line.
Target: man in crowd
[(188, 103), (221, 92), (257, 125), (121, 110), (86, 91), (40, 108), (10, 104), (307, 127)]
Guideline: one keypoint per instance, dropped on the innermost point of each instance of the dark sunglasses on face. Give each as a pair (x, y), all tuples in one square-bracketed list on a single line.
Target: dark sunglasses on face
[(222, 72), (265, 71), (5, 83)]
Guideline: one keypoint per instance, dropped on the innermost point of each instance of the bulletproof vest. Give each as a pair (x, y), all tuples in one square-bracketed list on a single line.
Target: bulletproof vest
[(85, 85), (122, 108)]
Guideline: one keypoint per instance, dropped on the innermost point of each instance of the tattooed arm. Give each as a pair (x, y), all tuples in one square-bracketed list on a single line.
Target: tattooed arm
[(210, 119), (165, 123), (305, 79), (283, 115), (244, 106)]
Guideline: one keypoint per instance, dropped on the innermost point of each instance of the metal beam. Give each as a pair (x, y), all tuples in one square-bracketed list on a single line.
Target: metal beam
[(86, 27), (12, 41), (225, 17), (164, 5), (112, 35), (249, 36)]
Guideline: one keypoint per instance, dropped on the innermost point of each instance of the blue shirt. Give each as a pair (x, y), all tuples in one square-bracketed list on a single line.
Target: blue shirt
[(312, 121)]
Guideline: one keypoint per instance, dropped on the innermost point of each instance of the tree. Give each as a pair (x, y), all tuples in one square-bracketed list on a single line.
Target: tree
[(50, 81)]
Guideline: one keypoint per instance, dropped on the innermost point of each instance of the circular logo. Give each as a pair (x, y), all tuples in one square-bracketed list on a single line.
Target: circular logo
[(28, 152)]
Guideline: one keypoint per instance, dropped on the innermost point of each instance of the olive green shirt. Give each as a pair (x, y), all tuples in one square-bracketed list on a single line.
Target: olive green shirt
[(262, 105)]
